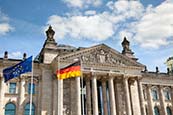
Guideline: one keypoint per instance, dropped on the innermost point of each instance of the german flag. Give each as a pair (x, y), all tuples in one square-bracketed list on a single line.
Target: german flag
[(72, 70)]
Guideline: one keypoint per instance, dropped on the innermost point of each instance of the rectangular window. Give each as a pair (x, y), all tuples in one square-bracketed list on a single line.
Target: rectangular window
[(12, 88), (29, 88)]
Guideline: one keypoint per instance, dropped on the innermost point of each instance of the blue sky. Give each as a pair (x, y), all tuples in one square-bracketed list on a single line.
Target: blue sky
[(147, 24)]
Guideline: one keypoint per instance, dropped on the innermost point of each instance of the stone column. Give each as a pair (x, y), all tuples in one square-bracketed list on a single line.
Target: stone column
[(105, 104), (141, 96), (46, 94), (127, 97), (60, 97), (112, 97), (162, 101), (78, 96), (172, 97), (149, 97), (94, 95), (134, 96), (88, 97), (1, 93), (54, 96), (21, 96), (39, 96)]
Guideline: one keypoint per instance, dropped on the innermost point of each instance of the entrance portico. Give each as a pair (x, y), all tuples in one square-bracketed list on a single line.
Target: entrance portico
[(108, 83)]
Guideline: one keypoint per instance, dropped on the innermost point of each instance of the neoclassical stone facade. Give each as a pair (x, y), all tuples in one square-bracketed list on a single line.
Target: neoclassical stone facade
[(112, 83)]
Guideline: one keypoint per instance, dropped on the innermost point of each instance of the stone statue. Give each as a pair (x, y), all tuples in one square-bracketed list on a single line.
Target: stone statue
[(50, 34)]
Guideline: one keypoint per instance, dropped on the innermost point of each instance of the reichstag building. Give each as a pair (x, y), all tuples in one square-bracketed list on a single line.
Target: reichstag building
[(112, 83)]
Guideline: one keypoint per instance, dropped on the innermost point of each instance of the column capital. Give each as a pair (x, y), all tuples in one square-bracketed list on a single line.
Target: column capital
[(93, 77), (125, 77), (149, 85), (87, 77), (161, 86), (111, 78), (132, 81)]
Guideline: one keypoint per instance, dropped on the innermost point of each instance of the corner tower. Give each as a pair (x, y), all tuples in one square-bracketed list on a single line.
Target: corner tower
[(49, 50), (126, 49), (169, 63)]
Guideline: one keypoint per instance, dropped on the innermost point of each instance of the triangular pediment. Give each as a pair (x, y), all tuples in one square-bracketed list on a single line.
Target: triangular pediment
[(101, 54)]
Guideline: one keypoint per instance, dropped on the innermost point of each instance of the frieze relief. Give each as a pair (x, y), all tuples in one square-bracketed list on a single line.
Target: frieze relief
[(99, 56)]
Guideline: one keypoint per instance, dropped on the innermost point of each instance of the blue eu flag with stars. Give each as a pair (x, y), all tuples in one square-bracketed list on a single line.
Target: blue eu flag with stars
[(18, 69)]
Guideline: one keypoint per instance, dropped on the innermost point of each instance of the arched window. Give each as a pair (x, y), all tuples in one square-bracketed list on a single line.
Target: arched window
[(27, 108), (10, 109), (168, 110), (156, 111)]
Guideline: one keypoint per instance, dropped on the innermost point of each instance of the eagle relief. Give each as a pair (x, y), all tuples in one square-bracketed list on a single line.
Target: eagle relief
[(102, 56)]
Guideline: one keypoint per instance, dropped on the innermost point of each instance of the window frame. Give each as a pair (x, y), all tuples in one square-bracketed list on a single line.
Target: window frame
[(156, 109), (33, 90), (12, 90), (168, 109), (27, 109), (11, 110), (154, 93), (167, 93)]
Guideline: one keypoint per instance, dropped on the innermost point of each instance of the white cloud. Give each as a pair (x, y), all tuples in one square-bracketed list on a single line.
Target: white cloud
[(95, 27), (16, 54), (90, 12), (5, 27), (154, 28), (149, 27), (129, 9), (91, 25), (82, 3)]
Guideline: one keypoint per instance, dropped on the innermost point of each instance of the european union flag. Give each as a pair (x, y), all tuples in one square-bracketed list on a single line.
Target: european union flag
[(18, 69)]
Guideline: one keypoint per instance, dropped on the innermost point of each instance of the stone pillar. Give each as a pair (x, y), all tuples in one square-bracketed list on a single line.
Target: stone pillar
[(94, 95), (39, 97), (78, 96), (162, 101), (119, 96), (141, 96), (172, 97), (134, 94), (149, 97), (1, 94), (60, 97), (46, 94), (105, 104), (2, 91), (88, 97), (21, 96), (127, 97), (55, 96), (112, 97)]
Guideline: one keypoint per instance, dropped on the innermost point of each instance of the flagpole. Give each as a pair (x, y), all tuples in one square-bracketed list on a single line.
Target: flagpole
[(82, 88), (31, 91)]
